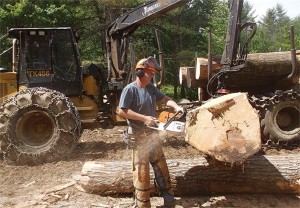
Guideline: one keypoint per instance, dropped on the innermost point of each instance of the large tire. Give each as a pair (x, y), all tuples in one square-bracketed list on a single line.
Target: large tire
[(38, 125), (281, 121)]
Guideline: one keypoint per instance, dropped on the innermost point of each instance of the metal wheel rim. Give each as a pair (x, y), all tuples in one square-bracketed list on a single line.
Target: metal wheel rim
[(287, 118), (35, 128)]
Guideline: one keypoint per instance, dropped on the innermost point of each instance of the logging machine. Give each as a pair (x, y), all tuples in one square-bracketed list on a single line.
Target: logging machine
[(252, 100), (46, 94), (275, 96)]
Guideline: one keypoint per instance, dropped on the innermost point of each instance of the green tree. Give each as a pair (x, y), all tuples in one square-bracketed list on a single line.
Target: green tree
[(101, 14), (219, 22), (39, 13), (248, 13), (88, 17), (218, 26), (273, 31), (296, 23)]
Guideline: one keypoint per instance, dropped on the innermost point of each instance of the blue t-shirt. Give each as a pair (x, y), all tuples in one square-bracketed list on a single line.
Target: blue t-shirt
[(140, 100)]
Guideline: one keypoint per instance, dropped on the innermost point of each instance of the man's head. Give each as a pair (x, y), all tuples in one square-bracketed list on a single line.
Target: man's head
[(147, 64)]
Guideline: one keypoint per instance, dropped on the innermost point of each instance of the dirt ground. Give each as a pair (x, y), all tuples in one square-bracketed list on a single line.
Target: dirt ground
[(24, 186)]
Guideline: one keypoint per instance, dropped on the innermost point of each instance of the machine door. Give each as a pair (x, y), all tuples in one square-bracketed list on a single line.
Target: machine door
[(49, 58)]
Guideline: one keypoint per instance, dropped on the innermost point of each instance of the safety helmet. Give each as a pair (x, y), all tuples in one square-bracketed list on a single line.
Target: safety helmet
[(149, 63)]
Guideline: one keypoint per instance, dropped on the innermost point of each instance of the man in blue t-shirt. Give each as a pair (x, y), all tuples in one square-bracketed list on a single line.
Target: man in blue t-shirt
[(138, 105)]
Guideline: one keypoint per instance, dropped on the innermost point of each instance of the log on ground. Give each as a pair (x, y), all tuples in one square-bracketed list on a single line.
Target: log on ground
[(259, 174)]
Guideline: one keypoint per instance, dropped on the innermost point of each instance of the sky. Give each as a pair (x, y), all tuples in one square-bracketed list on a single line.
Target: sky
[(292, 7)]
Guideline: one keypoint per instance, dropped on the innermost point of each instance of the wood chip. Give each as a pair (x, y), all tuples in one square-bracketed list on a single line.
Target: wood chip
[(28, 184), (79, 188), (66, 196), (102, 205), (60, 187), (55, 195)]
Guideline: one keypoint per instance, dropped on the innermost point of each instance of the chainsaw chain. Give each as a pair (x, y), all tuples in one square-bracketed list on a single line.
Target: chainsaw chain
[(263, 102)]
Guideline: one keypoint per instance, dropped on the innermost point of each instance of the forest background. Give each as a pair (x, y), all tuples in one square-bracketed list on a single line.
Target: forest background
[(183, 31)]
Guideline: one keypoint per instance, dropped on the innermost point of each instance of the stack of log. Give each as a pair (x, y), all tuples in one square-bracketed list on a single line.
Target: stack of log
[(260, 69), (185, 74)]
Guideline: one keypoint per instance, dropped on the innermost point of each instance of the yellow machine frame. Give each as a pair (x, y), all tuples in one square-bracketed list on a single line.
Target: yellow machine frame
[(8, 85)]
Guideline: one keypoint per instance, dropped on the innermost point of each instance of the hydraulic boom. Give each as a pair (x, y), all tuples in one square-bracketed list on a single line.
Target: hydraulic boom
[(118, 32)]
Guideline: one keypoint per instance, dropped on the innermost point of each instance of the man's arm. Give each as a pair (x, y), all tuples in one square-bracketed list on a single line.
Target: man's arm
[(130, 114), (171, 103)]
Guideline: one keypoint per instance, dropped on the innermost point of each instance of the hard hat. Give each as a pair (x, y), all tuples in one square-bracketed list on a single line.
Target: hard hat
[(149, 63)]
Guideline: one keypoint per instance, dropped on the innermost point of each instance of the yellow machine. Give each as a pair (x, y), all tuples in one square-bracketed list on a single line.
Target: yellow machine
[(47, 95), (8, 85)]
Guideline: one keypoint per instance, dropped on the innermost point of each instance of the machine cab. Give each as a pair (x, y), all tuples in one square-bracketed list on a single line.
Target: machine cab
[(48, 57)]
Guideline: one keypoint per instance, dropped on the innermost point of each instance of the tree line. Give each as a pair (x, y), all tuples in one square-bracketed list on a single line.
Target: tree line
[(183, 31)]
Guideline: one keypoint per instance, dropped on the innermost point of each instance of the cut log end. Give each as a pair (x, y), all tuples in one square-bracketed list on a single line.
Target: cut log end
[(226, 128)]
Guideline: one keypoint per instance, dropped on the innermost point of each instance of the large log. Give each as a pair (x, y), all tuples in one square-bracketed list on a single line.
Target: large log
[(259, 174), (226, 128), (261, 69), (271, 64)]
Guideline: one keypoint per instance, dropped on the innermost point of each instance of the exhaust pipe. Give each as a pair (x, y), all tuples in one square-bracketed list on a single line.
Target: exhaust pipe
[(293, 55), (14, 55), (161, 60)]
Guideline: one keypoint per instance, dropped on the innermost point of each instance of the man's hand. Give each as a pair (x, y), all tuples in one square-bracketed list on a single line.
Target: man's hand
[(169, 102), (150, 121), (181, 110)]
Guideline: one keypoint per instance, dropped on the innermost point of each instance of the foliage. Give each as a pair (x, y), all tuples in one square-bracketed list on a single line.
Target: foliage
[(219, 22), (39, 13), (296, 23), (218, 26), (190, 93), (183, 31), (273, 33)]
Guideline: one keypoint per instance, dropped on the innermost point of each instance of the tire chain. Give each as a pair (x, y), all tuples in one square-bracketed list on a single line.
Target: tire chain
[(263, 102), (55, 96)]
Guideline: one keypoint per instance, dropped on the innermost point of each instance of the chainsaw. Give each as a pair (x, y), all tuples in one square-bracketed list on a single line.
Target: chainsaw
[(170, 122)]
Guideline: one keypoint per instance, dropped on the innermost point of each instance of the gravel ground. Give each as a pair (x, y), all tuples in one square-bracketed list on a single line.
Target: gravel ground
[(24, 186)]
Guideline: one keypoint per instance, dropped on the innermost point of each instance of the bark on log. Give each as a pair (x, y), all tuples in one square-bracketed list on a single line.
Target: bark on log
[(271, 64), (261, 69), (259, 174), (226, 128)]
